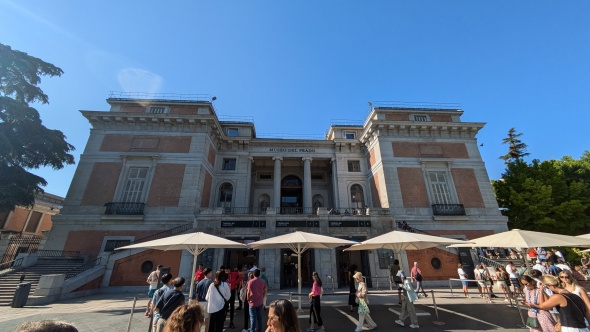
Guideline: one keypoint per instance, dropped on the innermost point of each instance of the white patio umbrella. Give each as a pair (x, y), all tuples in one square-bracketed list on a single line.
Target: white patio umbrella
[(195, 243), (299, 242), (401, 240), (522, 239)]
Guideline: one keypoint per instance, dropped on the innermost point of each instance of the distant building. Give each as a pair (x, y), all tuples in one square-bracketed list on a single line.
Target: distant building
[(159, 162), (31, 221)]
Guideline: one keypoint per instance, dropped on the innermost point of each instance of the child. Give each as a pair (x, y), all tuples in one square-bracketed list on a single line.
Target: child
[(407, 302)]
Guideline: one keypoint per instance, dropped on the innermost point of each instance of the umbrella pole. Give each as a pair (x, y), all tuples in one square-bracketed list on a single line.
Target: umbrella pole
[(190, 294), (299, 281)]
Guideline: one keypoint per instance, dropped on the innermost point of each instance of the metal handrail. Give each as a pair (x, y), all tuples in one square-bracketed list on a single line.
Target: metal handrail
[(490, 261), (11, 264), (295, 210), (407, 228), (160, 96), (169, 232), (57, 253), (244, 210), (82, 268)]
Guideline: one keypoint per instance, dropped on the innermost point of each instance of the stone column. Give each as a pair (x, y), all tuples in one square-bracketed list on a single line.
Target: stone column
[(249, 184), (276, 201), (307, 203), (336, 198)]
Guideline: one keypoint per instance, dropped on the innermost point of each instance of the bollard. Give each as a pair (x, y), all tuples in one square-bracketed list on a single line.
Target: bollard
[(291, 297), (131, 317), (437, 321)]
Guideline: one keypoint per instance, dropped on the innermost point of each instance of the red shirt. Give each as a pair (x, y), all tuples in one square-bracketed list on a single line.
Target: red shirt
[(415, 270), (199, 275), (234, 278), (256, 289)]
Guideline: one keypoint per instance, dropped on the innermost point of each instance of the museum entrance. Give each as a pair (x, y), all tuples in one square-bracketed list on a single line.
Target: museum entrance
[(291, 195), (245, 257), (345, 259), (289, 270)]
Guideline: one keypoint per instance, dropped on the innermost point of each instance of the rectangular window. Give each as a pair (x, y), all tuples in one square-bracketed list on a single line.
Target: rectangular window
[(233, 132), (34, 221), (350, 135), (157, 110), (112, 244), (317, 176), (420, 118), (229, 164), (265, 176), (439, 187), (135, 184), (354, 166)]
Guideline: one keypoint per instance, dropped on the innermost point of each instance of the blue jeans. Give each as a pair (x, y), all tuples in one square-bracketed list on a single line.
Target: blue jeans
[(255, 316)]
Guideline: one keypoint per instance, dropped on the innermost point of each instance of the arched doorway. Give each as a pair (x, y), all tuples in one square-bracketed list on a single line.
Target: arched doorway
[(291, 194)]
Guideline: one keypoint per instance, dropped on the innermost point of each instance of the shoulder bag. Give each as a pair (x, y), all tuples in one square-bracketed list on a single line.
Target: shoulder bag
[(533, 322)]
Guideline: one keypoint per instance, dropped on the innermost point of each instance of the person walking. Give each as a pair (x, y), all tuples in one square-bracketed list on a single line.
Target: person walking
[(186, 318), (408, 309), (352, 285), (463, 278), (171, 300), (501, 278), (282, 317), (416, 275), (167, 285), (152, 280), (203, 285), (244, 298), (363, 302), (572, 309), (533, 294), (216, 297), (315, 307), (256, 291), (395, 268)]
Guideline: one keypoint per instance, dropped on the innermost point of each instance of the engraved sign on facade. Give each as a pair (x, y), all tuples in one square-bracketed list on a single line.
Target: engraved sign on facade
[(291, 150)]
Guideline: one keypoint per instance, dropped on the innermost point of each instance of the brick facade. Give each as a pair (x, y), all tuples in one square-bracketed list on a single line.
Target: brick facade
[(166, 185), (17, 220), (90, 242), (374, 182), (211, 155), (133, 109), (413, 187), (448, 261), (145, 143), (467, 188), (127, 271), (102, 184), (206, 192), (431, 150)]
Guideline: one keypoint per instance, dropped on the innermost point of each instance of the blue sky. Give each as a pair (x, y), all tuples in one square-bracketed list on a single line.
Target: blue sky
[(295, 65)]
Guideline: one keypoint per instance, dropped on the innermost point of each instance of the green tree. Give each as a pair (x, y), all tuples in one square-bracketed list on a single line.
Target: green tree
[(516, 148), (25, 143)]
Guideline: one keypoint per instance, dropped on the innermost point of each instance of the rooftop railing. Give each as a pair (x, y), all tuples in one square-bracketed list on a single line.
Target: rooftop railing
[(346, 123), (184, 97), (416, 105), (291, 136)]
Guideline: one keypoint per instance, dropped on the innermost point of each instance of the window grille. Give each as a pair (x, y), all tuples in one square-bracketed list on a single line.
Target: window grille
[(157, 110), (420, 118), (112, 244), (133, 192), (356, 196), (225, 194), (354, 166), (440, 188)]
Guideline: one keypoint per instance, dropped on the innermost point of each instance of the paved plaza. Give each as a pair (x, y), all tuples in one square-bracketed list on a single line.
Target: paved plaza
[(111, 312)]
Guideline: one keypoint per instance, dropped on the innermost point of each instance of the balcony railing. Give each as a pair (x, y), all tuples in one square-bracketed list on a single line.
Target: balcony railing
[(124, 208), (244, 210), (448, 209), (57, 253), (295, 210)]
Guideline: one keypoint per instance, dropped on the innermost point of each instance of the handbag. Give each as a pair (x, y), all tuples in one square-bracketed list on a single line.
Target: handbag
[(418, 277), (532, 322), (223, 297)]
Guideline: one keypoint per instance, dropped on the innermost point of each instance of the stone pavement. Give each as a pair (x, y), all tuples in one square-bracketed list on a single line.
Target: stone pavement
[(110, 312)]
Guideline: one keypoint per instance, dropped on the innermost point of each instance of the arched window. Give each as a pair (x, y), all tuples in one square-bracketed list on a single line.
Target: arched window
[(356, 196), (291, 181), (225, 194)]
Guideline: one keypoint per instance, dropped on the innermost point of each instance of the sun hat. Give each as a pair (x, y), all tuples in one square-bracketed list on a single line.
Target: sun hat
[(358, 275)]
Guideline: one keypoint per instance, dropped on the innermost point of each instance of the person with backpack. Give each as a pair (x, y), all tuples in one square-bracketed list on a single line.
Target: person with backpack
[(483, 280), (217, 295), (167, 284), (416, 275), (171, 300)]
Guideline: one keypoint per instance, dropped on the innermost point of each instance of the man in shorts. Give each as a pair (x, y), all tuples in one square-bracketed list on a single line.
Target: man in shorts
[(152, 280), (396, 279)]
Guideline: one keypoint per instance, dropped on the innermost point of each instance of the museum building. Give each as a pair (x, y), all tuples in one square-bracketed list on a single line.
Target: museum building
[(157, 165)]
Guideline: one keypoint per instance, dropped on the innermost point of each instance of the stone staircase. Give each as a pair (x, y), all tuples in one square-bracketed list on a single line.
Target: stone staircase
[(50, 265)]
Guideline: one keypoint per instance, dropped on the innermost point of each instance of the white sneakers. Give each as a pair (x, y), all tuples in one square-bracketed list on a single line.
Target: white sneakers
[(399, 322), (414, 326)]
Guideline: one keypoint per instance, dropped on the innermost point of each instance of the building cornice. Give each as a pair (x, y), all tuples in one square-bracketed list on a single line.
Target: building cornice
[(420, 129)]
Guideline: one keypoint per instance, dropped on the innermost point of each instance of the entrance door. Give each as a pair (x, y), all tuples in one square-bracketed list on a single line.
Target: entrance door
[(291, 194), (241, 257), (467, 263), (345, 259), (289, 270)]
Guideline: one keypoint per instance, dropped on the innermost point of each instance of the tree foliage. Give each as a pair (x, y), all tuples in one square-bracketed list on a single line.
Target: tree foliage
[(516, 148), (548, 196), (25, 143)]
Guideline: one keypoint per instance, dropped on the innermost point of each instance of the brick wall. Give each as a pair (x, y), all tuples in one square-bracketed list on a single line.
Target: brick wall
[(46, 224), (166, 185), (17, 220), (184, 110), (127, 271), (211, 155), (125, 143), (93, 284), (397, 116), (90, 242), (441, 118), (133, 109), (371, 159), (441, 150), (206, 192), (102, 184), (413, 188), (467, 188), (448, 261), (374, 182)]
